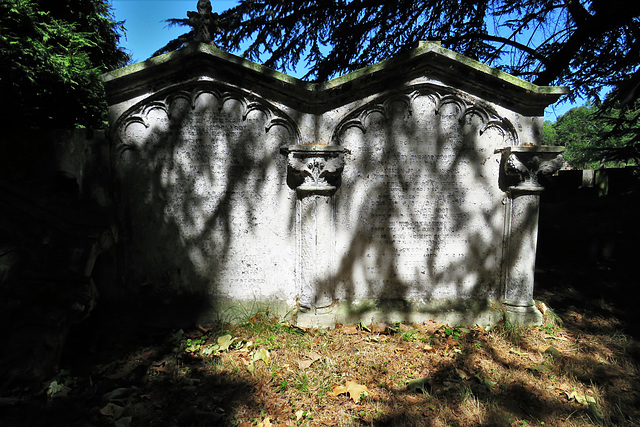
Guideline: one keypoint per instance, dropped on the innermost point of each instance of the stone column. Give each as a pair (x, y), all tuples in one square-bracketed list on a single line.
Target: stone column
[(314, 172), (522, 166)]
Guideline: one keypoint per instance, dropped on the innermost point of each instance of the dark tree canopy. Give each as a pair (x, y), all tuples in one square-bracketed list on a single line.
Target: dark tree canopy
[(592, 46), (52, 54), (585, 44)]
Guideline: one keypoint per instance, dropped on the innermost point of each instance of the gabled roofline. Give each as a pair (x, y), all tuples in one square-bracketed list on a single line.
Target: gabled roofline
[(427, 59)]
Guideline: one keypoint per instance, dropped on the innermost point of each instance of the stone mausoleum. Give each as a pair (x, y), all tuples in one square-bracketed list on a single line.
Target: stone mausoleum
[(407, 190)]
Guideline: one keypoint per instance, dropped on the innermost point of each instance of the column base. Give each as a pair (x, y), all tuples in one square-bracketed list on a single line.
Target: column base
[(523, 316)]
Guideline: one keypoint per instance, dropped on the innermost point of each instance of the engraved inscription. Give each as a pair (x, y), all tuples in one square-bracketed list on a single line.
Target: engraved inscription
[(199, 172), (424, 205)]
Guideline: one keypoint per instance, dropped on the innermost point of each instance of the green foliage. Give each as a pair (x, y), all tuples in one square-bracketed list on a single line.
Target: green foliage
[(410, 335), (455, 333), (549, 134), (52, 56), (593, 138), (194, 345)]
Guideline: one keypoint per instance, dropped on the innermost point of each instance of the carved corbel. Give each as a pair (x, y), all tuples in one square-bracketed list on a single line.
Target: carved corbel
[(522, 167), (314, 169)]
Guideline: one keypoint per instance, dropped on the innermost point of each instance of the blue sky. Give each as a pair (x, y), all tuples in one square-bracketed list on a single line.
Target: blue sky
[(147, 32), (144, 22)]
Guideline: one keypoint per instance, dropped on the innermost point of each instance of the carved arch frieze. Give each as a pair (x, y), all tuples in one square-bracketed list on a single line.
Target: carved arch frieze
[(464, 107), (249, 103)]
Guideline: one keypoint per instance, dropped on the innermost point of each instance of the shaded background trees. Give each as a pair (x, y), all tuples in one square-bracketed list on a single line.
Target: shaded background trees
[(595, 138), (52, 56)]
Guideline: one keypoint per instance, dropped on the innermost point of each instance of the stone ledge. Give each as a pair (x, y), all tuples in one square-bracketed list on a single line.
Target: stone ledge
[(469, 313)]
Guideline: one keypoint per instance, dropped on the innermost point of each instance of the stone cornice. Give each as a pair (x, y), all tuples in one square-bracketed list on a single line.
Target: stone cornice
[(428, 59)]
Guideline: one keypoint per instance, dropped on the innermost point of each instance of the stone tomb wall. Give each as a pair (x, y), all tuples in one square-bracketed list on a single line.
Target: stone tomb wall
[(398, 215), (418, 220), (420, 214), (202, 185)]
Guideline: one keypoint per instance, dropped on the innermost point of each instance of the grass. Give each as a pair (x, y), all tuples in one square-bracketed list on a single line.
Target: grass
[(274, 373)]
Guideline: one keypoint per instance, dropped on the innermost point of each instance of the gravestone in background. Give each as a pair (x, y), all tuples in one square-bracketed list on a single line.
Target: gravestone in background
[(404, 191)]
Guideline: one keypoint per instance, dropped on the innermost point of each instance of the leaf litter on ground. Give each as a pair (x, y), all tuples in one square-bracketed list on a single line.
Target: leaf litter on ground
[(432, 374)]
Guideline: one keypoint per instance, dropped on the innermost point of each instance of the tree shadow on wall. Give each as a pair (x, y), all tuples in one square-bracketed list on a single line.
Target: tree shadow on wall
[(194, 168), (420, 205), (419, 215)]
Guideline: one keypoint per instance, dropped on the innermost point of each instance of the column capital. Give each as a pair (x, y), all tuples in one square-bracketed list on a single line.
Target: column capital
[(526, 164), (314, 170)]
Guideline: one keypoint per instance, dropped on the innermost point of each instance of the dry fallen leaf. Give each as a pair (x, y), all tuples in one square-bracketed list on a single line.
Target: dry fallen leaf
[(559, 338), (553, 352), (305, 364), (432, 326), (205, 329), (262, 354), (462, 374), (404, 327), (339, 389), (354, 390), (379, 328), (112, 410), (543, 308), (350, 329), (265, 423), (313, 355), (123, 422), (540, 368), (412, 399), (118, 394), (580, 398), (419, 384), (224, 342)]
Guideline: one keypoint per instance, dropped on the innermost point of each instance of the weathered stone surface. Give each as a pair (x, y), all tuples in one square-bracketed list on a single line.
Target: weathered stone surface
[(203, 190), (381, 194)]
